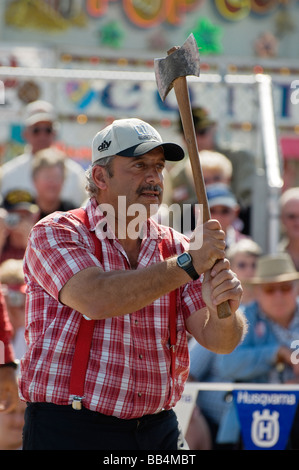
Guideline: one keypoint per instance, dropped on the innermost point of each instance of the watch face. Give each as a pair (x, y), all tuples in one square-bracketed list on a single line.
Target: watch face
[(184, 259)]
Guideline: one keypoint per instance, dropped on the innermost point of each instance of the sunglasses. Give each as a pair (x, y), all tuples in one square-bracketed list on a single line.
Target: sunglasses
[(292, 216), (284, 288), (213, 179), (243, 265), (38, 130), (202, 131), (223, 211), (13, 297)]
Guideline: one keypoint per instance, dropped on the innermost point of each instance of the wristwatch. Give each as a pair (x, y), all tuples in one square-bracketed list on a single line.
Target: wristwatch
[(184, 261)]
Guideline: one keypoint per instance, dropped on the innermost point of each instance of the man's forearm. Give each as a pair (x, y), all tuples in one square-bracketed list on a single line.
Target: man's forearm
[(224, 335), (99, 294), (218, 335)]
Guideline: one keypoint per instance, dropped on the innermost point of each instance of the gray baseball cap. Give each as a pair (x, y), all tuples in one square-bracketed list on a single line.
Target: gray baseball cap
[(131, 138)]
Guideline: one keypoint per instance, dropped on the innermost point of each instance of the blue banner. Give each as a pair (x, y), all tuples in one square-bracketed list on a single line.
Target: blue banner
[(266, 417)]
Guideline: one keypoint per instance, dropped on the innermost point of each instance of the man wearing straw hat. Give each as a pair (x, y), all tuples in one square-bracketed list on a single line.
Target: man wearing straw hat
[(268, 352)]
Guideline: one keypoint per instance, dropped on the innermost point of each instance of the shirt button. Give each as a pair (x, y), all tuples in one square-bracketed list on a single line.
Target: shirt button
[(139, 394), (140, 356), (136, 322)]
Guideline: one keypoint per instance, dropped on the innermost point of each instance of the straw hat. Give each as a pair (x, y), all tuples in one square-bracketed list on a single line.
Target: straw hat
[(274, 268)]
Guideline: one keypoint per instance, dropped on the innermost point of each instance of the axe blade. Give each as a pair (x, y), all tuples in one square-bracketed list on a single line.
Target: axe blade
[(180, 63)]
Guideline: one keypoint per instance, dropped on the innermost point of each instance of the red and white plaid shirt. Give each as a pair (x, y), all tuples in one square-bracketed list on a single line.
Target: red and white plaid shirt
[(128, 372)]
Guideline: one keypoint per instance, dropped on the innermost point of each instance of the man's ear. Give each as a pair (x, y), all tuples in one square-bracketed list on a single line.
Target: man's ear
[(100, 177)]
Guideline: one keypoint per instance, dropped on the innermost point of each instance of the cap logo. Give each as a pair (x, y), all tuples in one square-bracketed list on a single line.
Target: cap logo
[(145, 132), (104, 146)]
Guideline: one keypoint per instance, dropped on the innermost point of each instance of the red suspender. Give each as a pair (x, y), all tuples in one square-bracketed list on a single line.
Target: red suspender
[(172, 313), (80, 360), (85, 333), (84, 336)]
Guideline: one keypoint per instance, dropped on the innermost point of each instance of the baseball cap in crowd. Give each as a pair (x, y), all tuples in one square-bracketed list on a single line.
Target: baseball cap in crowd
[(131, 138), (220, 195), (39, 111), (19, 200)]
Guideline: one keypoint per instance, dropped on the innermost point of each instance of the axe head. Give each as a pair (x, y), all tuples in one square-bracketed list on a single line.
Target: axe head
[(180, 63)]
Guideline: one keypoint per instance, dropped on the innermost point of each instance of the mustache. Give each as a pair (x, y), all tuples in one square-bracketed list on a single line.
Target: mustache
[(150, 187)]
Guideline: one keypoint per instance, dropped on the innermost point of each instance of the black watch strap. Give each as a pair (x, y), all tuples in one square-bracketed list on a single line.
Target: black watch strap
[(184, 261), (192, 272)]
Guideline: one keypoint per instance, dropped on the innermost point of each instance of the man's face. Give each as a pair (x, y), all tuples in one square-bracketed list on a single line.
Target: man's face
[(225, 215), (40, 135), (244, 265), (206, 138), (48, 182), (214, 176), (278, 301), (138, 179), (15, 299), (19, 231)]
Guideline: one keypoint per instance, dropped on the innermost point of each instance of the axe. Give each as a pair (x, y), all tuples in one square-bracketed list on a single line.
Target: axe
[(171, 73)]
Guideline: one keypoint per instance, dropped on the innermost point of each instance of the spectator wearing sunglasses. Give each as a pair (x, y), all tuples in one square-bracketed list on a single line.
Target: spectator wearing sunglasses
[(40, 132), (243, 166), (289, 211), (265, 355), (216, 168), (225, 208), (243, 256), (18, 214)]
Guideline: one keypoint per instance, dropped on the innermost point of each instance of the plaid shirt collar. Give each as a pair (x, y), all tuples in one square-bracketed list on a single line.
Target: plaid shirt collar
[(98, 221)]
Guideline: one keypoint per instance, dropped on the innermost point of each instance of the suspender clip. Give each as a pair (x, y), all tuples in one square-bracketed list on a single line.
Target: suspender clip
[(77, 403)]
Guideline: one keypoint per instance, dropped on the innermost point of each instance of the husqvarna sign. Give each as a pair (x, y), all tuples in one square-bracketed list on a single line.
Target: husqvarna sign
[(266, 418)]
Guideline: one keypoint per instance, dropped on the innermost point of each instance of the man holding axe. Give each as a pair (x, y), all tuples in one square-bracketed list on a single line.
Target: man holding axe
[(110, 301), (171, 73)]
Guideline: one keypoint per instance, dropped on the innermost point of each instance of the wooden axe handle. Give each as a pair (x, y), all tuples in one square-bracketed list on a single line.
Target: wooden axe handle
[(182, 96)]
